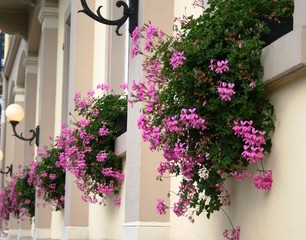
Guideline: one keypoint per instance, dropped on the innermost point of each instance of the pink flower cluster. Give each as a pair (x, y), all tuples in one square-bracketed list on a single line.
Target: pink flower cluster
[(184, 129), (226, 90), (151, 33), (84, 152), (14, 202), (161, 207), (177, 59), (253, 140), (48, 177), (233, 234), (218, 66), (263, 181)]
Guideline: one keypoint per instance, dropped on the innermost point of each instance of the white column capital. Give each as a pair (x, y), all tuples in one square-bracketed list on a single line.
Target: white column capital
[(48, 17), (18, 94), (30, 64)]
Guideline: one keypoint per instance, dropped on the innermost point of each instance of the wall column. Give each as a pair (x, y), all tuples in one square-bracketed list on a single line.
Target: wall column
[(299, 13), (80, 80), (14, 154), (46, 93), (30, 64), (142, 190)]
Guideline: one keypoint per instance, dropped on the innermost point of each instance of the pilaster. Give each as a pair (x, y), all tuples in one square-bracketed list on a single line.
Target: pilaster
[(16, 152), (45, 103)]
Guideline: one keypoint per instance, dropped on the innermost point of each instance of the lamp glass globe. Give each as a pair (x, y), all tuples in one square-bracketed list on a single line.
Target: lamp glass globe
[(14, 112)]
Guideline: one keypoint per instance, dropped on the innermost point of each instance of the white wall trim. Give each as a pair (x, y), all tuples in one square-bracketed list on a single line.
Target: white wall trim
[(41, 233), (146, 230), (76, 233), (25, 234), (12, 233)]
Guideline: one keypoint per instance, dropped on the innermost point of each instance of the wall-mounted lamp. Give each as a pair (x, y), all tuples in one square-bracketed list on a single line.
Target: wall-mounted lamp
[(129, 11), (9, 169), (15, 114)]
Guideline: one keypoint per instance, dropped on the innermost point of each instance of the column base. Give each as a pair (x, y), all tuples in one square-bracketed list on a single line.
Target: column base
[(146, 231), (13, 234), (41, 233), (76, 233)]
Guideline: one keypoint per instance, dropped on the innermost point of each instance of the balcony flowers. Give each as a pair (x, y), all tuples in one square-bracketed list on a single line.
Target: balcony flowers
[(203, 102), (17, 198), (88, 145), (48, 177)]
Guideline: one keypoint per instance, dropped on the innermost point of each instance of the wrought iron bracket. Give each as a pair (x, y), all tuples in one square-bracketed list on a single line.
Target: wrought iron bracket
[(9, 170), (129, 11), (35, 134)]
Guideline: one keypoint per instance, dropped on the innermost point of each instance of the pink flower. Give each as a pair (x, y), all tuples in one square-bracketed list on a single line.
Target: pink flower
[(135, 34), (233, 234), (161, 33), (52, 186), (222, 66), (252, 84), (77, 95), (151, 31), (117, 201), (43, 174), (263, 181), (212, 66), (103, 131), (104, 86), (148, 45), (83, 122), (225, 91), (161, 207), (101, 156), (107, 190), (135, 50), (90, 93), (176, 59), (124, 85), (52, 176), (253, 139)]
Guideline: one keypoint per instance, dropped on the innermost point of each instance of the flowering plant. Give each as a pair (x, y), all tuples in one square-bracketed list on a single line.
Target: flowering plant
[(48, 177), (17, 197), (204, 103), (88, 147)]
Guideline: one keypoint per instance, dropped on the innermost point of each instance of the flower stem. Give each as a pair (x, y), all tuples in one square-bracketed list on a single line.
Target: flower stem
[(228, 218)]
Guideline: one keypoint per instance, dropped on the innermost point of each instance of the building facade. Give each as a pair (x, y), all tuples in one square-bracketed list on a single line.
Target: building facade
[(52, 51)]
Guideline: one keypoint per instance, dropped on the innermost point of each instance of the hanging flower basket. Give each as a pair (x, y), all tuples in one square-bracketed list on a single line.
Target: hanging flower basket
[(204, 105), (88, 145)]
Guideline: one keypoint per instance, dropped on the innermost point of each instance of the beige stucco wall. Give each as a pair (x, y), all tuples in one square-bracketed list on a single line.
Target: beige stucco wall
[(63, 8), (277, 214)]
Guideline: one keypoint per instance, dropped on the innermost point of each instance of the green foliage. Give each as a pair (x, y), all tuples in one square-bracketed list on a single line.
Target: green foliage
[(228, 30), (25, 194), (50, 178)]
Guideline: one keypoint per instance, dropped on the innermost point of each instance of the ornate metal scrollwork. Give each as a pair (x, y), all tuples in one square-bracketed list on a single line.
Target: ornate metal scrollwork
[(9, 170), (35, 134), (130, 12)]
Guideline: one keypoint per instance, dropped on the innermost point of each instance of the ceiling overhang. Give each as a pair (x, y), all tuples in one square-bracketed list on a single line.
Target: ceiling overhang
[(14, 16)]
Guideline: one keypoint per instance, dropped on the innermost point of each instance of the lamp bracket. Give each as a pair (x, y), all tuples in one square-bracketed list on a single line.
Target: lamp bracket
[(35, 134), (9, 170), (130, 12)]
